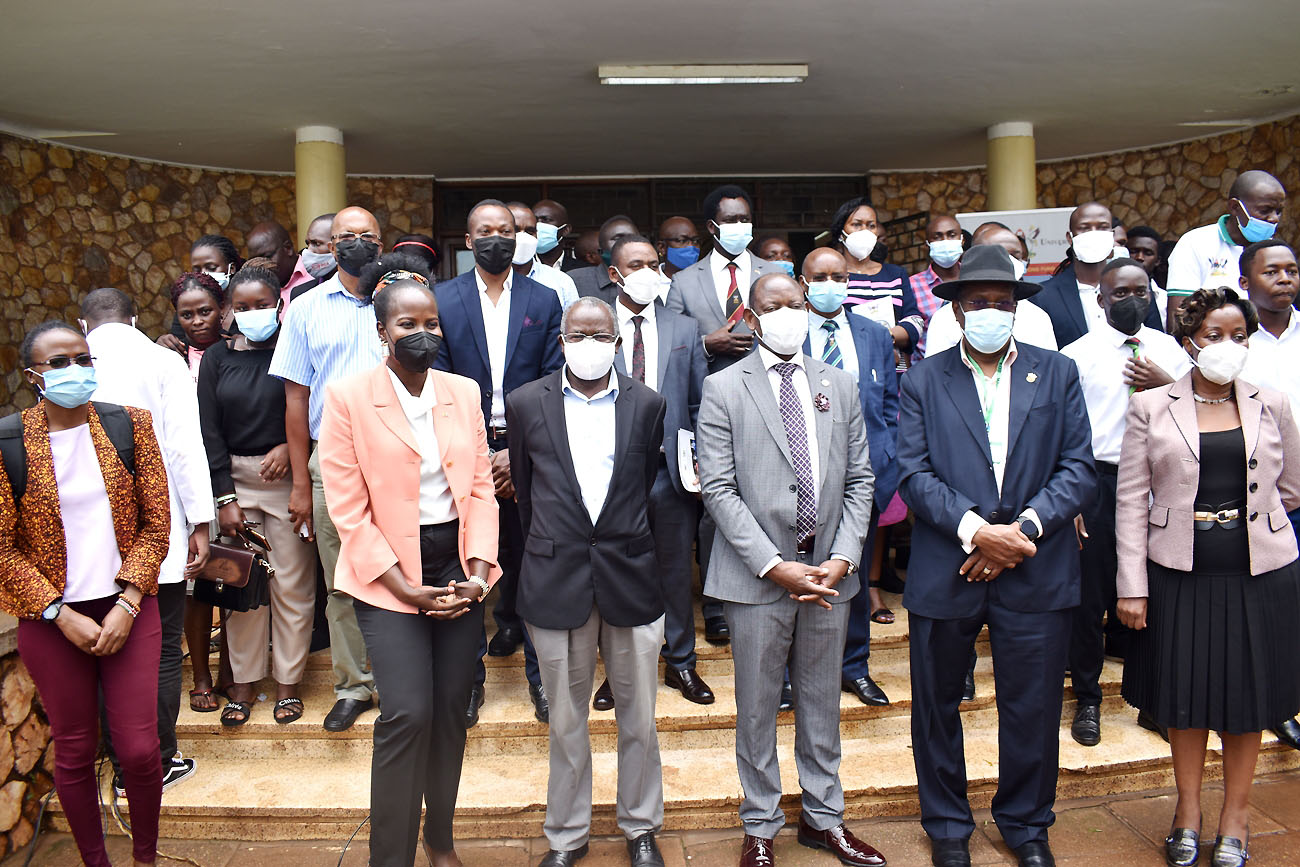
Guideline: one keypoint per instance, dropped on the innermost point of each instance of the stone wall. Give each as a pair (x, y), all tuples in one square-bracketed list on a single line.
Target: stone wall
[(26, 757)]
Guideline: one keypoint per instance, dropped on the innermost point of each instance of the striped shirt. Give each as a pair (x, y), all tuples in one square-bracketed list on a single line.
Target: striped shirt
[(886, 297), (328, 334), (926, 303)]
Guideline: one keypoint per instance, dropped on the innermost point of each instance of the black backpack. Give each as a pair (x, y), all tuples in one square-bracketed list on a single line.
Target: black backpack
[(117, 424)]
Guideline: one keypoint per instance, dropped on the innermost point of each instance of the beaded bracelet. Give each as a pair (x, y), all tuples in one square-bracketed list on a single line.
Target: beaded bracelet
[(127, 606), (483, 585)]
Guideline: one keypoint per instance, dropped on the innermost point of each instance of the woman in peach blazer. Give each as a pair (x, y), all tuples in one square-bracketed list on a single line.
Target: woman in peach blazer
[(408, 484), (1207, 565)]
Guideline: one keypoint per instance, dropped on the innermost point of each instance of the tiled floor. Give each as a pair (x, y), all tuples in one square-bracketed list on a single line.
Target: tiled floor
[(1127, 830)]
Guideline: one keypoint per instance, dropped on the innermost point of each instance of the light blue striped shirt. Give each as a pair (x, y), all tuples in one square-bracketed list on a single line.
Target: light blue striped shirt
[(328, 334), (817, 335)]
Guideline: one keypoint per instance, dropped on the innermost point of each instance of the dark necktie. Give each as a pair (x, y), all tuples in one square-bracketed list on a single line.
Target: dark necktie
[(831, 352), (796, 433), (638, 350), (1134, 346), (733, 292)]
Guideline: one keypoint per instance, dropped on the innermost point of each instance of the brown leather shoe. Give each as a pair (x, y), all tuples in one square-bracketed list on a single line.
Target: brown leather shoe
[(757, 852), (604, 699), (841, 843), (689, 684)]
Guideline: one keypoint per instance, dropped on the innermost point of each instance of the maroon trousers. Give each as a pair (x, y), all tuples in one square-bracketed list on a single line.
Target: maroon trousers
[(70, 681)]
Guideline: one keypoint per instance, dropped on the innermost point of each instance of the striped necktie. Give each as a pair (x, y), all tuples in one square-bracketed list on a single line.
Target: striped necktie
[(831, 352)]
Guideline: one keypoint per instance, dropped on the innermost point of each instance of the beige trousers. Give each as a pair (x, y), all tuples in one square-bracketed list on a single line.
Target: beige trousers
[(284, 625)]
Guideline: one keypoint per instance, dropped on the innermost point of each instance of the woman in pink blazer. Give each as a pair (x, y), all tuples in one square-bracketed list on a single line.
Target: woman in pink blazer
[(1207, 565), (404, 460)]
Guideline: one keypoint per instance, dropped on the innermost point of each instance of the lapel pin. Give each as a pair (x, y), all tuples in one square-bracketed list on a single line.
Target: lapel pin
[(1031, 377), (826, 382)]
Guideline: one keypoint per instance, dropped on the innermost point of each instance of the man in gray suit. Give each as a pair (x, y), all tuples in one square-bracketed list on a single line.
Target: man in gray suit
[(594, 281), (786, 474)]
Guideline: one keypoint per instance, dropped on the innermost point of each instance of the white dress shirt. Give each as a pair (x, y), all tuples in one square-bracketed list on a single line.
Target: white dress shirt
[(1093, 313), (1101, 356), (1205, 256), (649, 337), (1274, 362), (1032, 325), (496, 327), (818, 335), (132, 370), (89, 539), (556, 279), (590, 423), (722, 277), (437, 505)]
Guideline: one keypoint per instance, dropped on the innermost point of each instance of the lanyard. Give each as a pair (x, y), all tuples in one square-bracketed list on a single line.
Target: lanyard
[(987, 399)]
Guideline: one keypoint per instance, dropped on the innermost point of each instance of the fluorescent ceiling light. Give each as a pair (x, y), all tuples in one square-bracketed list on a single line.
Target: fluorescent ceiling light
[(749, 73)]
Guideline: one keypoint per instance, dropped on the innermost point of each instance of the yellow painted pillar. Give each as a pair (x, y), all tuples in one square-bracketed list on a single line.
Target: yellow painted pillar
[(1013, 174), (319, 176)]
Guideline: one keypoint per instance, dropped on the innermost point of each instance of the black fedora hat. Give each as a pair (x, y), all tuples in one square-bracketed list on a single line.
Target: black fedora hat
[(986, 263)]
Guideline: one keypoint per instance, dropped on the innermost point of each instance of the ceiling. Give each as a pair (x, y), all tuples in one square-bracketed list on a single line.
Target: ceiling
[(504, 88)]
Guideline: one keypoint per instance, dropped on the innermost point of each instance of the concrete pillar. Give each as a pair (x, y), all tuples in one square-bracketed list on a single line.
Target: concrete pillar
[(320, 179), (1013, 174)]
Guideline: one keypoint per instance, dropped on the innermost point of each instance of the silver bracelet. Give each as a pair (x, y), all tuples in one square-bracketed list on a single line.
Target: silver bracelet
[(483, 585)]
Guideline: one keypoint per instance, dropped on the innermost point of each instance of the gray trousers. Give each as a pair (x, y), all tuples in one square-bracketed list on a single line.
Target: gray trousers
[(761, 641), (352, 675), (567, 659)]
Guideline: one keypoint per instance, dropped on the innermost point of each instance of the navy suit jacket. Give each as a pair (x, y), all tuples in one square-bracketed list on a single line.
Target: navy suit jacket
[(532, 340), (1060, 298), (878, 393), (681, 371), (945, 470)]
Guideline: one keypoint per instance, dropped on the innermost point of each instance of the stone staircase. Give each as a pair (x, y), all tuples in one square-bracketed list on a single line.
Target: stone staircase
[(264, 781)]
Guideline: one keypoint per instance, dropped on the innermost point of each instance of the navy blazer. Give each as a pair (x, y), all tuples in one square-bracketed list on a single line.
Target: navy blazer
[(532, 339), (878, 393), (681, 371), (1060, 298), (945, 470)]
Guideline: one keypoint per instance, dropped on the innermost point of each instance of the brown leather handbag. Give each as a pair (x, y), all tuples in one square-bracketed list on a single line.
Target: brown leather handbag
[(237, 576)]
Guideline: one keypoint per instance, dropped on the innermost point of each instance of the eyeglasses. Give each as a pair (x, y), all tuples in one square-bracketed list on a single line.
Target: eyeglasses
[(576, 337), (981, 304), (58, 362), (352, 236)]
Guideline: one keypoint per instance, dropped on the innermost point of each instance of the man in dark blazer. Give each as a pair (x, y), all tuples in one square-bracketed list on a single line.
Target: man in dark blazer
[(865, 349), (584, 451), (501, 330), (594, 281), (995, 460), (1070, 297)]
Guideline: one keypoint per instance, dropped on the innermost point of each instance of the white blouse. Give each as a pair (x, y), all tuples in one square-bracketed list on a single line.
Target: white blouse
[(88, 535)]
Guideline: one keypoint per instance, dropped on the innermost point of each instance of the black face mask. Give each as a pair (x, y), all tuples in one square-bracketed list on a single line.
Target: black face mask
[(493, 253), (416, 352), (355, 254), (1128, 314)]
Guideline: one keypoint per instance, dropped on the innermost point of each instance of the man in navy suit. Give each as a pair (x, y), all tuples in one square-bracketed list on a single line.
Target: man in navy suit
[(995, 460), (502, 330), (1070, 297), (865, 349), (662, 349)]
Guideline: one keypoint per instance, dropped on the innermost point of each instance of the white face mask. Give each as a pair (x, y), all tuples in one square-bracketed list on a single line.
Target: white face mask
[(1093, 247), (783, 330), (1221, 362), (1018, 267), (589, 359), (525, 248), (860, 244), (222, 277), (643, 285), (1121, 252)]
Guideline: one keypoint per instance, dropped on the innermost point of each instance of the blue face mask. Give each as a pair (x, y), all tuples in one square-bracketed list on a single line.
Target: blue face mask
[(1254, 229), (988, 330), (548, 237), (735, 237), (259, 325), (827, 296), (682, 257), (946, 252), (787, 267), (70, 386)]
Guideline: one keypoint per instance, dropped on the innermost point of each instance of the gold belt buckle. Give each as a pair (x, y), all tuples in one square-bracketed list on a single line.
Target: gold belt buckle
[(1223, 516)]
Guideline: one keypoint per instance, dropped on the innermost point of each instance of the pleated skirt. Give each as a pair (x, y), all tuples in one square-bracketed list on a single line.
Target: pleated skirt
[(1220, 651)]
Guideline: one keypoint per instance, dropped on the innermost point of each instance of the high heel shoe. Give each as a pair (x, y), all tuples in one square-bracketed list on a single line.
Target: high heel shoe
[(1182, 847), (1229, 852)]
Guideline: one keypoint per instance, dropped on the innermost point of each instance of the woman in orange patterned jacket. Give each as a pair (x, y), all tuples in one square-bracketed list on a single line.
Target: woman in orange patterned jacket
[(80, 551)]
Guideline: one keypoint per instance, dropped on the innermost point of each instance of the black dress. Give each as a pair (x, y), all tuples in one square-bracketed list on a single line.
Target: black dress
[(1218, 651)]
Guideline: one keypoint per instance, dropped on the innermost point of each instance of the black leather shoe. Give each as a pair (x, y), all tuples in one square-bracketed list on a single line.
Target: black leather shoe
[(345, 713), (1288, 733), (1086, 728), (604, 699), (542, 710), (1229, 852), (689, 684), (716, 630), (476, 697), (866, 690), (1035, 853), (506, 641), (787, 698), (1146, 721), (1182, 847), (949, 852), (968, 691), (563, 859), (644, 852)]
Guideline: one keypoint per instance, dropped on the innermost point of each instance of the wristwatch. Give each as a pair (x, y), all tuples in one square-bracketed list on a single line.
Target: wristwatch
[(1029, 528), (51, 612)]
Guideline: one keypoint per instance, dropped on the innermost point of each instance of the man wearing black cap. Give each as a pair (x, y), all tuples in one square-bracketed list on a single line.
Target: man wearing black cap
[(995, 460)]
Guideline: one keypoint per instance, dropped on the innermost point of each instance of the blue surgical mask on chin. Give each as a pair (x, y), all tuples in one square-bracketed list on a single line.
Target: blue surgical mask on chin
[(548, 237), (70, 386), (988, 330), (1254, 229)]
